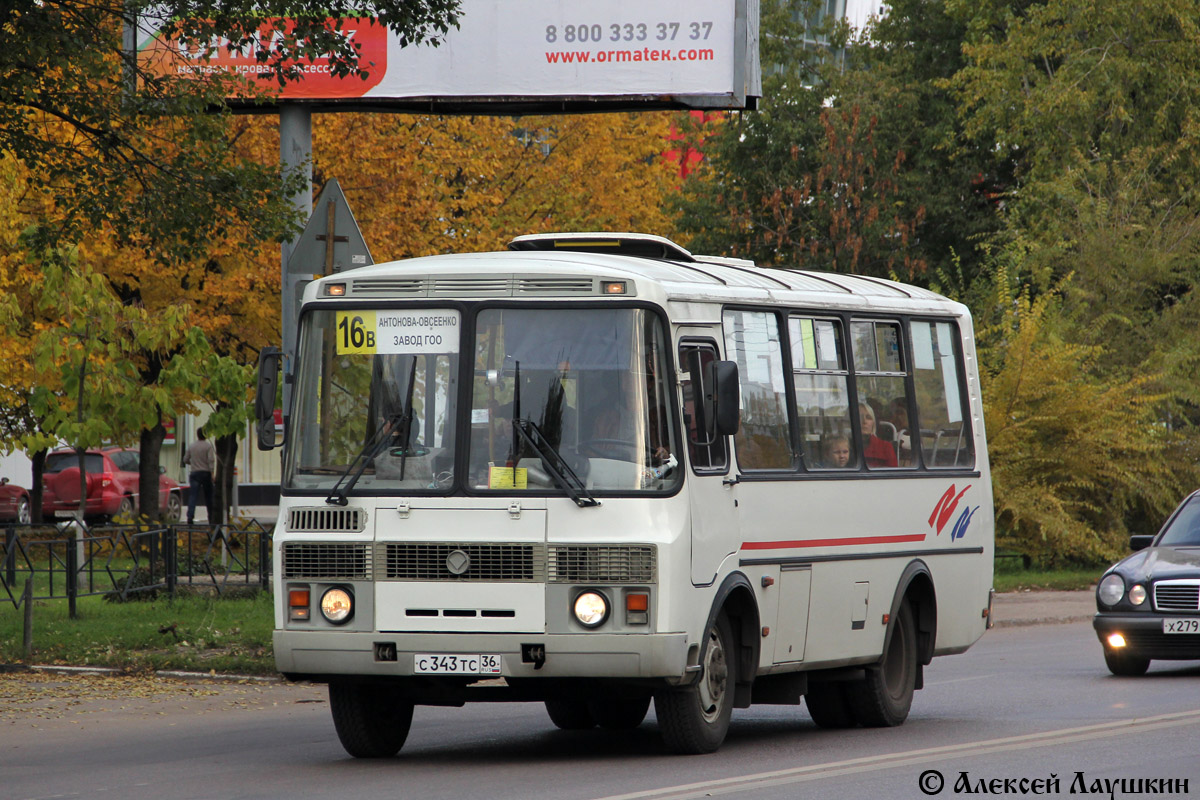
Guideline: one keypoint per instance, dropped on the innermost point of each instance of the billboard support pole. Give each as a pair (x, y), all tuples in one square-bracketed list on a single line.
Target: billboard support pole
[(295, 155)]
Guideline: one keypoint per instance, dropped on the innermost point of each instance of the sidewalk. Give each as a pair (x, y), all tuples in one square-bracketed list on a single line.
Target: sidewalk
[(1042, 607)]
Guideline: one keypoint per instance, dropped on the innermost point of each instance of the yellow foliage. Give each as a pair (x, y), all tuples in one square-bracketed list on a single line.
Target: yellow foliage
[(1074, 458)]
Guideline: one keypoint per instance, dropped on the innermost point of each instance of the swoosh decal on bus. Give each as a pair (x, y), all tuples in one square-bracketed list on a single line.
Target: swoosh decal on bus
[(908, 537)]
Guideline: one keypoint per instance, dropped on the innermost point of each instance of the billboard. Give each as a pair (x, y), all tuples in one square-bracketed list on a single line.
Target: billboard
[(511, 56)]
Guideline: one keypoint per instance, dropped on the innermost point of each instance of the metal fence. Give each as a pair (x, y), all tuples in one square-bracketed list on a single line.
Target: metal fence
[(68, 562)]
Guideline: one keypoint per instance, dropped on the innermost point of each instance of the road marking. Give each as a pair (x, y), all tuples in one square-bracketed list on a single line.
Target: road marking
[(834, 769), (960, 680)]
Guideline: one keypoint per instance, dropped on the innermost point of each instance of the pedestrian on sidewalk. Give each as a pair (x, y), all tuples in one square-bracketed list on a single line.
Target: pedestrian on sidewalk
[(201, 457)]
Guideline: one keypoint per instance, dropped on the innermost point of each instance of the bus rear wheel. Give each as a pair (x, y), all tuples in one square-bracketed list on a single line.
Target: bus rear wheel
[(695, 719), (570, 715), (828, 705), (371, 721), (883, 698)]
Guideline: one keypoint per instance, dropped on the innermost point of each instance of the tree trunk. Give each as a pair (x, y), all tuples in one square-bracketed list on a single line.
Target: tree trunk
[(149, 447), (81, 512), (37, 490), (227, 447)]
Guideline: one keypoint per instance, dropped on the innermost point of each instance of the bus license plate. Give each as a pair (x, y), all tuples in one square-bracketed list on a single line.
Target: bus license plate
[(1181, 626), (433, 664)]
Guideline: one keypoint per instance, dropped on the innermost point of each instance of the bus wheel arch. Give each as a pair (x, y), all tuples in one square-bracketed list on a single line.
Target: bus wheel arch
[(695, 718), (884, 696)]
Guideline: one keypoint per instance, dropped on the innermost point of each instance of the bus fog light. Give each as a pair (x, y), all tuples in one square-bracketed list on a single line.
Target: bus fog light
[(591, 609), (1137, 595), (337, 606)]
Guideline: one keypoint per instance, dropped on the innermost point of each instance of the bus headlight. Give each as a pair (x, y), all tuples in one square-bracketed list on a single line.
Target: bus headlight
[(591, 609), (337, 605), (1111, 589)]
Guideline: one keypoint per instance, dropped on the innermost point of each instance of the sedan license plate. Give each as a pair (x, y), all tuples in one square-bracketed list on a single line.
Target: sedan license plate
[(433, 664), (1181, 625)]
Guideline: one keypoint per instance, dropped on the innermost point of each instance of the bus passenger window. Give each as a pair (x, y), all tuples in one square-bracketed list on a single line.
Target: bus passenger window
[(945, 434), (882, 384), (764, 439), (822, 397)]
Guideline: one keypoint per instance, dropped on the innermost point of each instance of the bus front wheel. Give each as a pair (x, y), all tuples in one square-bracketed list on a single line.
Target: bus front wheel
[(695, 719), (371, 721), (883, 698)]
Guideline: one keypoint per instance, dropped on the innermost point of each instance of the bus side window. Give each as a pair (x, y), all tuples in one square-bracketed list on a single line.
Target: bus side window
[(882, 383), (822, 395), (713, 457), (752, 341), (945, 432)]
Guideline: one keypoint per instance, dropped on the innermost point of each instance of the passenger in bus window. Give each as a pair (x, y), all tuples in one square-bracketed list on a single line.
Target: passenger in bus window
[(876, 451), (835, 452)]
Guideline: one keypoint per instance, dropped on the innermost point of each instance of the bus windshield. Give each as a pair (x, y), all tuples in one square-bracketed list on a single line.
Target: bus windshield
[(592, 382), (364, 381), (560, 401)]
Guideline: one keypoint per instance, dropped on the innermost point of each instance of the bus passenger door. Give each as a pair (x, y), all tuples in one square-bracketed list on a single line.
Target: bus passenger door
[(712, 496)]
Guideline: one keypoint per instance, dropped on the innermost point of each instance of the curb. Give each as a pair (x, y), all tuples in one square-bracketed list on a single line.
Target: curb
[(1022, 623), (174, 674)]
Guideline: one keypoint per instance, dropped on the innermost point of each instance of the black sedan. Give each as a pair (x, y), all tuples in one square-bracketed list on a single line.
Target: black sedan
[(1149, 603)]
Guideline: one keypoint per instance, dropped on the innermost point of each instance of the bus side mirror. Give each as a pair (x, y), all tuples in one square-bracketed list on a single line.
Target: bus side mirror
[(269, 359), (725, 413)]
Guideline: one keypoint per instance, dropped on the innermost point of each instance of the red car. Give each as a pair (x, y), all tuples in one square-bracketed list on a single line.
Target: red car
[(112, 484), (14, 502)]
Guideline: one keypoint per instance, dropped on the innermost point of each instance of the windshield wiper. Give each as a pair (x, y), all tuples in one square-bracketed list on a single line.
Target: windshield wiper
[(554, 463), (398, 426)]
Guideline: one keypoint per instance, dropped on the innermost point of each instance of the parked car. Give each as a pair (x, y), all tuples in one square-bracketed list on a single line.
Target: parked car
[(1149, 603), (112, 484), (14, 502)]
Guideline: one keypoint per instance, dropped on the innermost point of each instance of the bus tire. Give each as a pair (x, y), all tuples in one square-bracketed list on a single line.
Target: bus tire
[(883, 698), (371, 721), (695, 719), (619, 713), (829, 707), (570, 715)]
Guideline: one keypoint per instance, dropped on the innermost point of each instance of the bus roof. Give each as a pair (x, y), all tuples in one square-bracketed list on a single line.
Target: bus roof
[(575, 265)]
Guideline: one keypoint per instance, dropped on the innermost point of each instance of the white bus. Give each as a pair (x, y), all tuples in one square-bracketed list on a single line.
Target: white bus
[(597, 471)]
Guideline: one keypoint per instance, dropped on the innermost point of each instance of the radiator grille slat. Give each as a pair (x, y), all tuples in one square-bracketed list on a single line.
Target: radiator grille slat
[(1177, 596), (327, 561), (327, 520), (602, 564), (426, 561)]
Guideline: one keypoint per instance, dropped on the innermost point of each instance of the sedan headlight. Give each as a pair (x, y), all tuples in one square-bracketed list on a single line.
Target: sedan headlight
[(1111, 589), (337, 605), (591, 609), (1137, 595)]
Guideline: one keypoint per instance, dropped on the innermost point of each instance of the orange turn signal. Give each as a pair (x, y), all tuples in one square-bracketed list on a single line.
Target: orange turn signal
[(298, 604)]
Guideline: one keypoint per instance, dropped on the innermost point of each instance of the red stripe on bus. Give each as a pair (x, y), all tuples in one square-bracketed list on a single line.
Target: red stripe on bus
[(912, 537)]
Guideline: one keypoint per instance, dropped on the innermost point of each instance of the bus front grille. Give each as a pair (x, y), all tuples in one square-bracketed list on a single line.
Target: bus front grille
[(602, 564), (327, 520), (449, 561), (326, 561)]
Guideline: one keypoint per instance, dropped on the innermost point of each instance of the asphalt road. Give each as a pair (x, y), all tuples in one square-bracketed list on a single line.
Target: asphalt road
[(1027, 702)]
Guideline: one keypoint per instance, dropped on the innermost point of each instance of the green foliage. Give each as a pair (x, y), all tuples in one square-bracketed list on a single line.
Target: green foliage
[(1075, 456)]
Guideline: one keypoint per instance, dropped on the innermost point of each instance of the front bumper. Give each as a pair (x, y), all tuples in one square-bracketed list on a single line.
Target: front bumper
[(1144, 635), (345, 653)]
